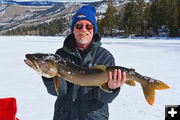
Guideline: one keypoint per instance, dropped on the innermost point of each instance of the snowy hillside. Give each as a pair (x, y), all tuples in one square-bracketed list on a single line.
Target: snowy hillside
[(29, 3), (156, 58), (27, 13)]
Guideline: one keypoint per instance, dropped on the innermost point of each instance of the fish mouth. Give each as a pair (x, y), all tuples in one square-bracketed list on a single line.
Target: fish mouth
[(30, 63)]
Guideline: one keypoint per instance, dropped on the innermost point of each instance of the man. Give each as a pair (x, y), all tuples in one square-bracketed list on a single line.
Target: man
[(82, 47)]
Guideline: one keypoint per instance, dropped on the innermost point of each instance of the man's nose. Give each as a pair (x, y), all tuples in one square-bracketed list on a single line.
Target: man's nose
[(84, 28)]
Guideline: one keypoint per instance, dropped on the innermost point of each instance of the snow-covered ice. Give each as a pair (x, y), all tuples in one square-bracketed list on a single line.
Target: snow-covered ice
[(156, 58)]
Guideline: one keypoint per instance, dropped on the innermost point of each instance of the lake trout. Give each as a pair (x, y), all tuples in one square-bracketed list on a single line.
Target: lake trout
[(53, 66)]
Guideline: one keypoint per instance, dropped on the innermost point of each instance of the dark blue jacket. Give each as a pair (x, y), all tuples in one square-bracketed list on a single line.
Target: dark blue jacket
[(77, 102)]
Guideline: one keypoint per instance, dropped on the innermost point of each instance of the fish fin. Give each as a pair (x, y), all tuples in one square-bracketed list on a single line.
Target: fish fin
[(106, 88), (130, 82), (99, 67), (149, 89), (57, 83), (149, 93), (159, 85)]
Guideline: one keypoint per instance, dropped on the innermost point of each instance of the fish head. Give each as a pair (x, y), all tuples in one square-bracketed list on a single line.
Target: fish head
[(45, 64)]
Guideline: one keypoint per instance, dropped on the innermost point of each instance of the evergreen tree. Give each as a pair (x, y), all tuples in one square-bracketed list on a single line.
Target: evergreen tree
[(173, 21), (148, 17), (100, 26), (157, 16), (129, 18), (139, 17), (109, 20), (119, 18), (178, 4)]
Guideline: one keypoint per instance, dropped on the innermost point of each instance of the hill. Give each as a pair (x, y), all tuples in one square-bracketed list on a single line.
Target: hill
[(13, 14)]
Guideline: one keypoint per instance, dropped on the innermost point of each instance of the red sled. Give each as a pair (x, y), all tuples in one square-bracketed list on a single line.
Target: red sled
[(8, 109)]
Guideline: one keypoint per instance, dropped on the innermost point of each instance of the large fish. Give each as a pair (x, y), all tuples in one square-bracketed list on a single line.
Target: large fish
[(53, 66)]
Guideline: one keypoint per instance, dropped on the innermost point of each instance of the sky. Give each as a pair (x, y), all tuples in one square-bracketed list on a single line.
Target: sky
[(152, 57)]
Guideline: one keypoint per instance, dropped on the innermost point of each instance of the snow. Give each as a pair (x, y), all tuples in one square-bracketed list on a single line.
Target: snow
[(2, 13), (158, 58), (102, 8)]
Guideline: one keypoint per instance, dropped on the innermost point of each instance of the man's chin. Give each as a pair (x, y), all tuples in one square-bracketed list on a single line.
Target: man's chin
[(83, 41)]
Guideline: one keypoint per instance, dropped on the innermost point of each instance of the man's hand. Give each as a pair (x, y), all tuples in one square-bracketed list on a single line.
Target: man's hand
[(117, 80)]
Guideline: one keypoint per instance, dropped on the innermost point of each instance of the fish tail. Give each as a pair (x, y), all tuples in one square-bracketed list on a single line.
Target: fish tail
[(150, 87)]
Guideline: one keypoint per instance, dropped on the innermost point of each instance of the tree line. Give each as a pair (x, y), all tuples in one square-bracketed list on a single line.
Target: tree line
[(52, 28), (135, 18), (142, 19)]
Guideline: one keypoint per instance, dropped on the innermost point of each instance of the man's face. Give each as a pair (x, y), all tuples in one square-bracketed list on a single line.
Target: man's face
[(83, 32)]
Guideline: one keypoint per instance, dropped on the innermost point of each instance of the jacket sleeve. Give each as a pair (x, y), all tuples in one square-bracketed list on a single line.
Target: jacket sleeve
[(106, 97), (100, 94)]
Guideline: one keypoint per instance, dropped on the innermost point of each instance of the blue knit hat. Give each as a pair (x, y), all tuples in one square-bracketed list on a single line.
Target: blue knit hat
[(86, 12)]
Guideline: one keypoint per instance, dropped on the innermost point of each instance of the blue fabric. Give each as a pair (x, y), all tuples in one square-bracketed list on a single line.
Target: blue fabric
[(86, 12)]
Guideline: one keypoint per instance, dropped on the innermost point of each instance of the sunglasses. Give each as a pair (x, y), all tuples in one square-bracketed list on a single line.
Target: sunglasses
[(80, 26)]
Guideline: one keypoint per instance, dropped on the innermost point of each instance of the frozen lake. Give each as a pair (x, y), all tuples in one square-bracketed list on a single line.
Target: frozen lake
[(156, 58)]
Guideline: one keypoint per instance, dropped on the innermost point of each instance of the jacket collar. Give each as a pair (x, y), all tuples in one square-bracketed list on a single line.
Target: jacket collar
[(71, 47)]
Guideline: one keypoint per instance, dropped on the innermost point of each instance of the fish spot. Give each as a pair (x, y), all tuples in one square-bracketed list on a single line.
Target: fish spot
[(151, 81)]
